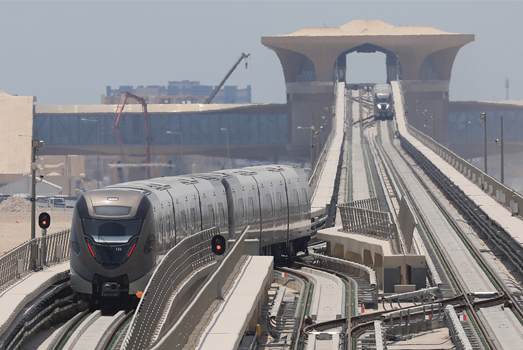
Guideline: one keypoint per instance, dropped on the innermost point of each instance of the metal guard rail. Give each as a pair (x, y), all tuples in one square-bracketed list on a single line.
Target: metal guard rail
[(318, 167), (187, 256), (503, 194), (32, 255), (179, 335)]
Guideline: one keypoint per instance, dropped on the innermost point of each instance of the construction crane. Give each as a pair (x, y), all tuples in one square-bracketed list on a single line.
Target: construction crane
[(116, 121), (215, 91)]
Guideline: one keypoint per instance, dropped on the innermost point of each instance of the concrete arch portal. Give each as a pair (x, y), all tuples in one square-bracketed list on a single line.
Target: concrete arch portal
[(392, 65), (421, 56)]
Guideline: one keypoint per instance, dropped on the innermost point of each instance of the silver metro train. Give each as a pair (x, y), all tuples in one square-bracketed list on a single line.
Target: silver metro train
[(382, 101), (118, 232)]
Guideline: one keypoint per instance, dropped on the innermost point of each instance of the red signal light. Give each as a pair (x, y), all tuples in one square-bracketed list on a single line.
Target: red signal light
[(218, 245), (44, 220)]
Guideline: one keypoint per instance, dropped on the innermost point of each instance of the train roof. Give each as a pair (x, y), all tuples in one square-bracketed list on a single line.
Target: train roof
[(382, 88)]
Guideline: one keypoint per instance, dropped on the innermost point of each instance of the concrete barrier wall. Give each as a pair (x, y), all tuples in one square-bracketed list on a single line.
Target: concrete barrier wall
[(407, 223), (503, 194), (178, 336), (189, 255)]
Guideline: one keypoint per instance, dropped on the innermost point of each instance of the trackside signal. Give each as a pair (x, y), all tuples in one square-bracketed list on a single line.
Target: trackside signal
[(218, 245), (44, 220)]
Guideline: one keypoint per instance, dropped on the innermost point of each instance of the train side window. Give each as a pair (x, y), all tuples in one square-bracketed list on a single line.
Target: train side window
[(193, 220), (279, 204), (305, 199), (184, 221), (296, 202), (221, 214), (211, 215), (250, 210), (241, 211), (270, 207)]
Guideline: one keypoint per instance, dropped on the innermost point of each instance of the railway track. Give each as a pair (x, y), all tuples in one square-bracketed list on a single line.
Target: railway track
[(91, 330), (47, 309), (454, 282), (302, 309), (451, 281)]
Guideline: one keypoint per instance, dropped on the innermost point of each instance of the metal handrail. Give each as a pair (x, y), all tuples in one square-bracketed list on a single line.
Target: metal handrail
[(33, 255), (178, 336), (189, 255)]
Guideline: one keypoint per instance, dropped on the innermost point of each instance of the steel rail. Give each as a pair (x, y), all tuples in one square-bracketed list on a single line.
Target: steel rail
[(119, 328), (50, 302), (305, 303), (480, 328), (68, 330)]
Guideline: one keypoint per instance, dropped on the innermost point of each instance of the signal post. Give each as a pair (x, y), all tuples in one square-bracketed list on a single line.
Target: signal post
[(218, 246)]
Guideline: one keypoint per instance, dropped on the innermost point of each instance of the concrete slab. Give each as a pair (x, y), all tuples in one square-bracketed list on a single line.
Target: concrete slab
[(240, 307), (20, 294)]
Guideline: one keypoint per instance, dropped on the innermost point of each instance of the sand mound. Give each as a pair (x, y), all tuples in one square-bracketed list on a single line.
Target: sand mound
[(15, 204)]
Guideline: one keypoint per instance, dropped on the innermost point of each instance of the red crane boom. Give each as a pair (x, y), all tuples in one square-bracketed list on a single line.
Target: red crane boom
[(116, 121)]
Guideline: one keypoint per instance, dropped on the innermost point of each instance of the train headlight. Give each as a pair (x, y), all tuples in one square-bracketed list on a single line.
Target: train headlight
[(388, 105), (379, 106)]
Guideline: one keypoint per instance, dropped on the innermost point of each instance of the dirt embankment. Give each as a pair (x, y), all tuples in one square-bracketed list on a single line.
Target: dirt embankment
[(15, 222)]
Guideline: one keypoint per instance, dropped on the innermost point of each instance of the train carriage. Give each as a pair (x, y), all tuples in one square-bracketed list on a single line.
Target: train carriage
[(383, 101), (120, 232)]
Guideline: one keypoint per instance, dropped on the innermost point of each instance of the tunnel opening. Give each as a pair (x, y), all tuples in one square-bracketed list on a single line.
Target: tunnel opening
[(376, 65)]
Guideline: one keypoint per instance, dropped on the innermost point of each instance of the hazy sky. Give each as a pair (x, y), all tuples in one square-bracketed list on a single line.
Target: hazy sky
[(66, 52)]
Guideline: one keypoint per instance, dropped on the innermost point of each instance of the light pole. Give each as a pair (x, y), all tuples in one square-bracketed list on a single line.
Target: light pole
[(433, 121), (312, 129), (168, 132), (502, 153), (483, 116), (502, 150), (417, 111), (35, 146), (228, 148), (322, 127), (425, 116), (97, 149)]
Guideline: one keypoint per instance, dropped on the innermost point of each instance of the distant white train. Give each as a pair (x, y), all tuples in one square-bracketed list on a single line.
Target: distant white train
[(119, 231), (383, 101)]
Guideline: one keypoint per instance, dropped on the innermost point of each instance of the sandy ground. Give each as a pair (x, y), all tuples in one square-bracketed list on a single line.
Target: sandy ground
[(15, 227)]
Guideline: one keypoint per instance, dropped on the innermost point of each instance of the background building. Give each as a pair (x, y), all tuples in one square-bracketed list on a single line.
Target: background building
[(179, 92)]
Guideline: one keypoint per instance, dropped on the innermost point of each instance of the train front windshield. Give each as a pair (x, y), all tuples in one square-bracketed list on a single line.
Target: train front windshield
[(382, 98), (111, 231)]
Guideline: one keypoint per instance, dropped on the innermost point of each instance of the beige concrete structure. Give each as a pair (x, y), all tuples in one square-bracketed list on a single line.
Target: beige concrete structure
[(422, 52), (421, 56), (16, 113), (375, 253)]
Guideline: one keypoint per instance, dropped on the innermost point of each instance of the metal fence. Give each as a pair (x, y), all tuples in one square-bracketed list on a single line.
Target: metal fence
[(503, 194), (191, 254), (34, 254), (374, 223), (367, 204), (179, 335), (457, 333)]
